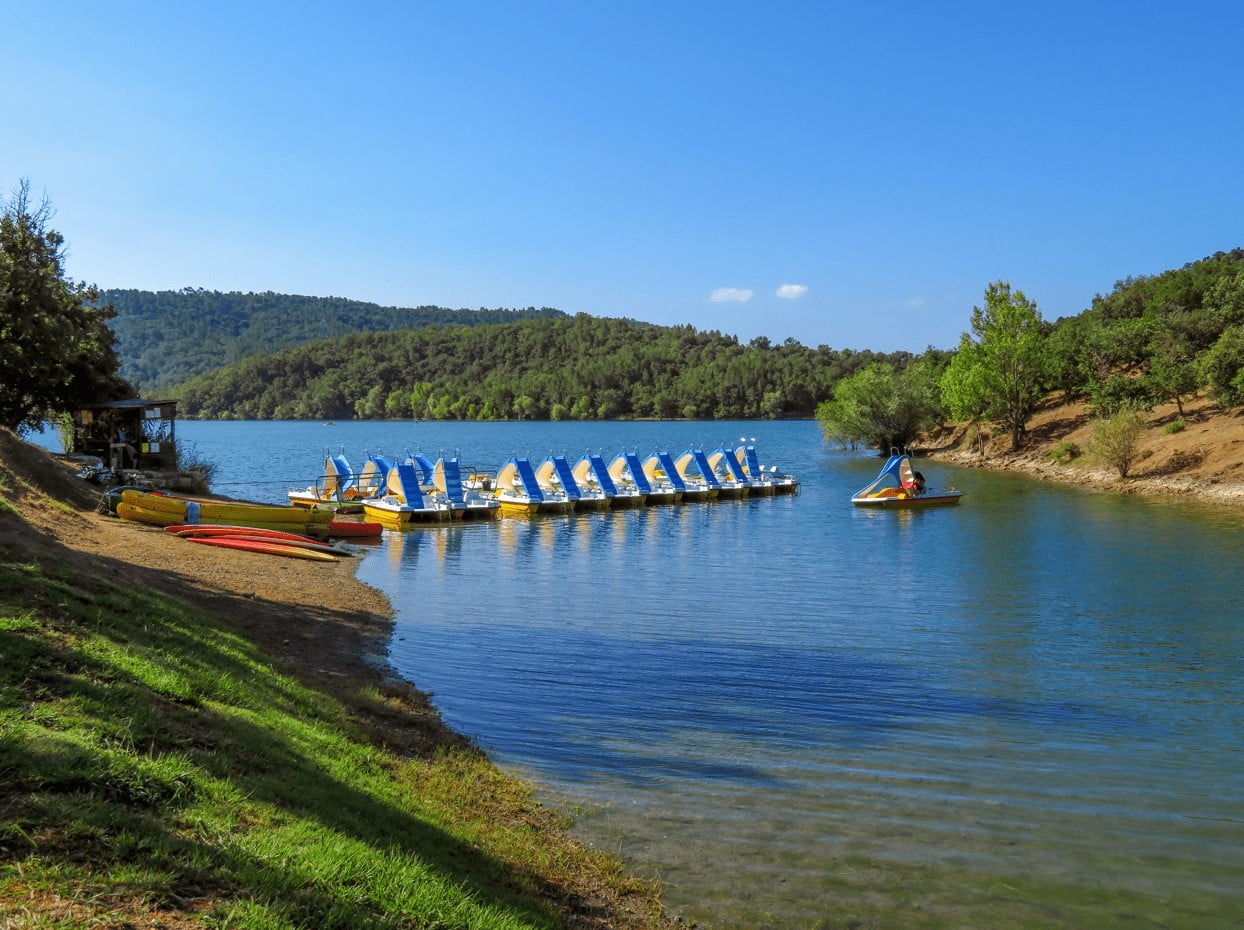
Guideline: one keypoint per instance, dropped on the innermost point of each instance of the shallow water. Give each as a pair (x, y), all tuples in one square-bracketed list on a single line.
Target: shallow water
[(1027, 710)]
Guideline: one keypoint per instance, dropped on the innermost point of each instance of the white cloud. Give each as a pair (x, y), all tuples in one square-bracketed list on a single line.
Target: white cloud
[(731, 295), (792, 291), (915, 303)]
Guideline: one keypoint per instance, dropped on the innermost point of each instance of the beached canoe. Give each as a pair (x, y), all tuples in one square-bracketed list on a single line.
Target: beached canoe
[(208, 510), (247, 532), (141, 514), (265, 546)]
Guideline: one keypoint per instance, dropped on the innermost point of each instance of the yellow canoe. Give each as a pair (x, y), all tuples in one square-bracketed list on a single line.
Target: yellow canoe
[(217, 511), (142, 514)]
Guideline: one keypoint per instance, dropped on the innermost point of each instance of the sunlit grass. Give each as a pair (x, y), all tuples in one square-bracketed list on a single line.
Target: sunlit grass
[(153, 762)]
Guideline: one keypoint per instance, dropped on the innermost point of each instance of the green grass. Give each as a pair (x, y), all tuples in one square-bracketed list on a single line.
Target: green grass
[(1065, 452), (153, 763)]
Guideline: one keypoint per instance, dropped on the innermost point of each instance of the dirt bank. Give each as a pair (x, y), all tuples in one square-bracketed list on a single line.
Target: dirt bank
[(342, 648), (1204, 459)]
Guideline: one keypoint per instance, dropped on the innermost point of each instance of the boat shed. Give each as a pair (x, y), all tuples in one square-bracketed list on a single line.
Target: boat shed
[(128, 434)]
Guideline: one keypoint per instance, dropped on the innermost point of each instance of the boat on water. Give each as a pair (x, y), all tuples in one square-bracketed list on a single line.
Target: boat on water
[(628, 477), (519, 494), (700, 482), (425, 471), (555, 475), (662, 470), (899, 485), (591, 472), (780, 482), (404, 502), (336, 489), (663, 478), (372, 479), (417, 490), (466, 502), (731, 476)]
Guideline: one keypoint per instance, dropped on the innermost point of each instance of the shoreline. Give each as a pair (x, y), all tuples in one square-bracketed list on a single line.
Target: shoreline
[(1192, 451), (314, 622), (1096, 478)]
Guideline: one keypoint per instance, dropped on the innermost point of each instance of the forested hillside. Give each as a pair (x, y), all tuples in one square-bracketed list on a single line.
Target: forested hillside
[(1158, 338), (166, 337), (1152, 339), (570, 368)]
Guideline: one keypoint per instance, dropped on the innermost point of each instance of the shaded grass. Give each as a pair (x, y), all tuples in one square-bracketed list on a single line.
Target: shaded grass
[(153, 765)]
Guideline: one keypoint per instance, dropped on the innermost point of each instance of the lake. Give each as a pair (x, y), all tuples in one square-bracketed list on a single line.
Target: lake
[(1024, 711)]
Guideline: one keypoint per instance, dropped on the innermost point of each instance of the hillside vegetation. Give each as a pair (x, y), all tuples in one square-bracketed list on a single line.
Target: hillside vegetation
[(1151, 340), (1157, 339), (570, 368), (166, 337)]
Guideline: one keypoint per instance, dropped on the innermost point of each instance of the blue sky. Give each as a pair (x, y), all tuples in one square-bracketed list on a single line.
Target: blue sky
[(853, 175)]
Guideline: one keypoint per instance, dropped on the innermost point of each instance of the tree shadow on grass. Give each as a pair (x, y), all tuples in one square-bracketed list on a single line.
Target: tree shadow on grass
[(187, 711)]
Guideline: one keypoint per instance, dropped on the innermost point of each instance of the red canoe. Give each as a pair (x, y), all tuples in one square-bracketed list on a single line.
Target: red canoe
[(345, 529), (228, 529), (267, 546)]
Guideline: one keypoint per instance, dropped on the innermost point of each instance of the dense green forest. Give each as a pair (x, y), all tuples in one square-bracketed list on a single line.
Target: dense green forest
[(570, 368), (166, 337), (1151, 339), (1156, 339)]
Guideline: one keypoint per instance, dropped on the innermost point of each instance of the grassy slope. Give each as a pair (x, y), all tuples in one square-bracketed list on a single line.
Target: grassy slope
[(156, 771)]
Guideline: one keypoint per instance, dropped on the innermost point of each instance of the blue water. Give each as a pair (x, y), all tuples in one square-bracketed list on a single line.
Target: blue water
[(1027, 710)]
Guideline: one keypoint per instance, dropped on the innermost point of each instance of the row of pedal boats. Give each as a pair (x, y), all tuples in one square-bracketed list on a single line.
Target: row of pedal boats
[(414, 489)]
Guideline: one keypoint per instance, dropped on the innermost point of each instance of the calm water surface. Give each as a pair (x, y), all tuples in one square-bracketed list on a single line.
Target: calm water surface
[(1024, 711)]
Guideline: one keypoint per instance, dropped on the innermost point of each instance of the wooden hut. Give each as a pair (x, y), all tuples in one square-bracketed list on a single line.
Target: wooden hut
[(129, 434)]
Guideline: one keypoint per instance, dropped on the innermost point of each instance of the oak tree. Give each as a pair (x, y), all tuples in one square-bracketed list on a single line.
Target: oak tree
[(1000, 370), (56, 350)]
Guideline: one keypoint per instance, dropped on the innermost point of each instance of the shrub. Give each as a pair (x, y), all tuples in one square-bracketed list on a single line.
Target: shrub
[(1178, 426), (1116, 438), (190, 462), (65, 429), (1064, 452)]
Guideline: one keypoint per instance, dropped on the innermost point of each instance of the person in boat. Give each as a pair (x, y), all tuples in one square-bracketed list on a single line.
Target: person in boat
[(918, 484)]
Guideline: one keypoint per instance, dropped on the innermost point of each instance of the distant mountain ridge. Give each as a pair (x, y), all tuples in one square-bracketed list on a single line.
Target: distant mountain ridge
[(572, 368), (167, 337), (1153, 339)]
